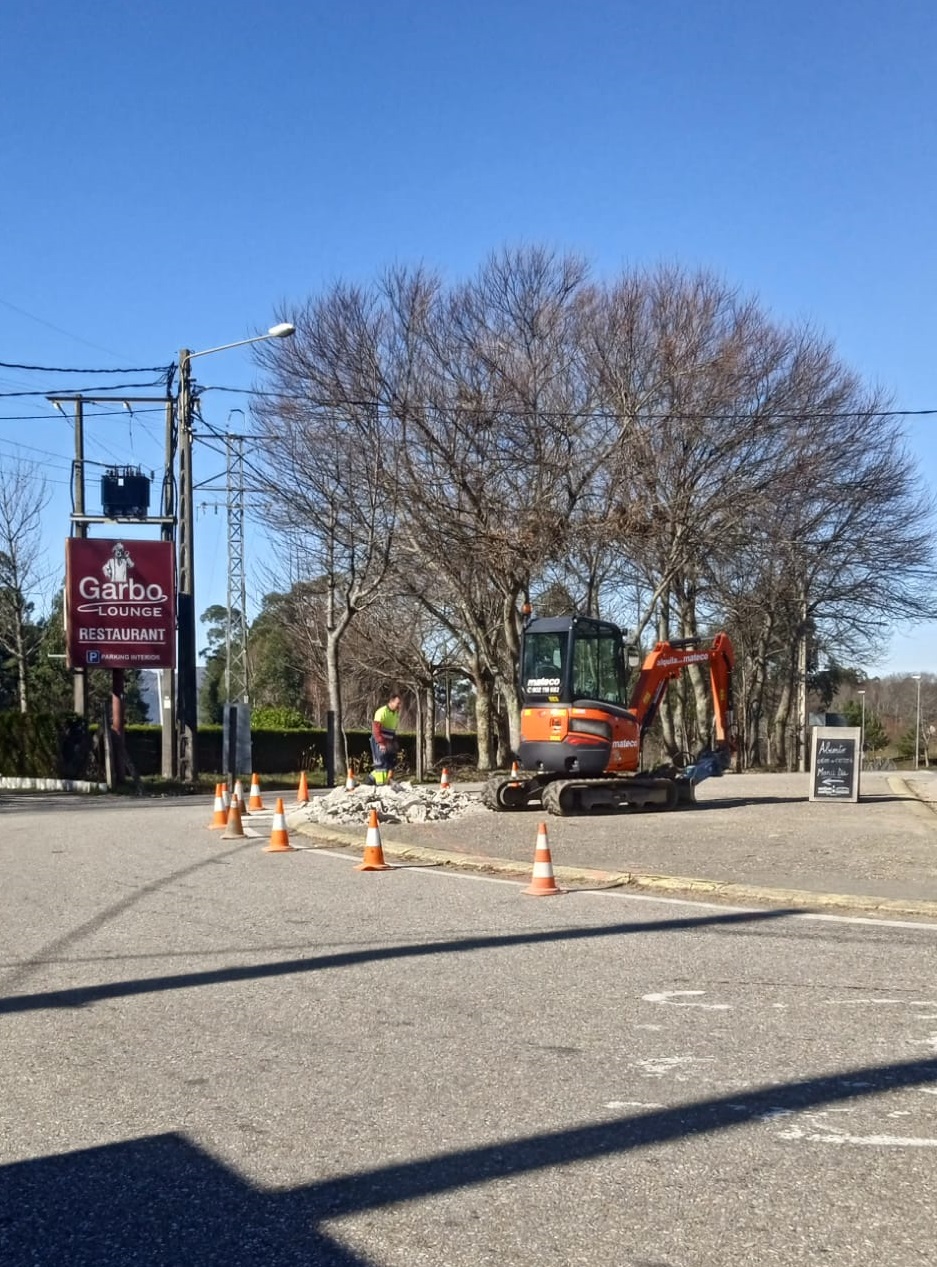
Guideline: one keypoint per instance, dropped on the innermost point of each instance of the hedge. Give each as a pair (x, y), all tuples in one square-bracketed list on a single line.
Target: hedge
[(44, 745), (283, 751)]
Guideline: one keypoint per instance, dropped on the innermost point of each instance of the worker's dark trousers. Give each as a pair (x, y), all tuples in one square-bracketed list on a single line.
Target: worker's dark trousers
[(384, 762)]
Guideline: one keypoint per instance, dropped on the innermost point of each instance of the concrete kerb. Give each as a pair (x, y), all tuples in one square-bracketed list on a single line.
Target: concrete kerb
[(673, 885), (922, 807), (15, 783)]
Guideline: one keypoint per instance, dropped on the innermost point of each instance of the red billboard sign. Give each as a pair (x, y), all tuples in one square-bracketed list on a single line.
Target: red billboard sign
[(120, 610)]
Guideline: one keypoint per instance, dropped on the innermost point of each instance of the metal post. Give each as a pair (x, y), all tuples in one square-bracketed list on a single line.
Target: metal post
[(80, 675), (802, 693), (917, 723), (862, 731), (186, 669), (165, 678), (236, 687), (117, 723)]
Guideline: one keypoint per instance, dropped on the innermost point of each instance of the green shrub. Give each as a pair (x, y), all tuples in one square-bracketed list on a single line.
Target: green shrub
[(44, 746)]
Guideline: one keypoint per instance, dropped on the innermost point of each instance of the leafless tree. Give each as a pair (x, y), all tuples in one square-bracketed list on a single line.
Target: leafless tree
[(657, 448), (24, 495), (749, 482), (331, 456), (494, 422)]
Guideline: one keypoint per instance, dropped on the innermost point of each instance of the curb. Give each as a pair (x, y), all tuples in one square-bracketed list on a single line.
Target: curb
[(923, 809), (15, 783), (586, 877)]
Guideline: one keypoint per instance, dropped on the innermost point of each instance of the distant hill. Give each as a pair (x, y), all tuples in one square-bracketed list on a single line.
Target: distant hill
[(149, 692)]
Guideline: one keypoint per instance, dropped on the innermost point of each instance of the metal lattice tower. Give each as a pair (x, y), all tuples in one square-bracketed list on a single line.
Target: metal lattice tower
[(236, 627)]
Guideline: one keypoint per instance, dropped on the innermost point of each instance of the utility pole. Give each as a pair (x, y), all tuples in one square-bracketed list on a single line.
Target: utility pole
[(186, 670), (166, 678), (80, 529), (187, 674)]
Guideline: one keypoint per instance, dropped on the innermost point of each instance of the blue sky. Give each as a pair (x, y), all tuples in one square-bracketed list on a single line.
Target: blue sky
[(178, 174)]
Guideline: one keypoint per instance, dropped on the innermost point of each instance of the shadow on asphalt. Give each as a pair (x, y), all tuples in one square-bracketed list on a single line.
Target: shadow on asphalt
[(740, 801), (81, 996), (161, 1200)]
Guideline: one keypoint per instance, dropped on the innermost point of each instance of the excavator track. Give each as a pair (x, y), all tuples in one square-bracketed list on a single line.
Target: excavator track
[(505, 792), (564, 798)]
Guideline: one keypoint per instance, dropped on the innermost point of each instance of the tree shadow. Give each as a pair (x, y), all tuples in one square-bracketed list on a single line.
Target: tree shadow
[(162, 1200), (53, 948), (82, 996)]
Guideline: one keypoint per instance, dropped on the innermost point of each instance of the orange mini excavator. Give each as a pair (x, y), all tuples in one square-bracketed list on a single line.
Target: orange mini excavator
[(581, 742)]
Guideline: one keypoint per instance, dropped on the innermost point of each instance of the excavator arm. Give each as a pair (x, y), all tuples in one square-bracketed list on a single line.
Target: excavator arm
[(667, 661)]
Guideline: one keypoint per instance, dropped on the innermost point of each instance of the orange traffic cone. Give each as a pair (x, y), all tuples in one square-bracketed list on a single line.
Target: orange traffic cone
[(234, 828), (373, 859), (542, 884), (350, 783), (256, 800), (444, 784), (302, 796), (279, 837), (239, 793), (515, 772), (226, 797), (219, 819)]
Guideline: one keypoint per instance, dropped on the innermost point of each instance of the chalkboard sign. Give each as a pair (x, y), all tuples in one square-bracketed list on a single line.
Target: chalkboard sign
[(836, 755)]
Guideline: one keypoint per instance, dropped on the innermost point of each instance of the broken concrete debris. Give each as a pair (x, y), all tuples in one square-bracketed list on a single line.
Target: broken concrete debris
[(395, 803)]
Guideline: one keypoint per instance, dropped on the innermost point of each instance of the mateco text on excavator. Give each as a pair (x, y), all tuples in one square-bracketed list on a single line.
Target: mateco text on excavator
[(582, 739)]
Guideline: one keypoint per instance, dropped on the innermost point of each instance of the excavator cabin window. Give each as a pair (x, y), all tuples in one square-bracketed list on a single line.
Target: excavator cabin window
[(543, 663), (598, 671)]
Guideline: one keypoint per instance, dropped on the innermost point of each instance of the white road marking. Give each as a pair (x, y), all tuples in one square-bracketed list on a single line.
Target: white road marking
[(856, 1141), (633, 1104), (930, 1041), (816, 1131), (884, 1002), (659, 1065), (668, 996)]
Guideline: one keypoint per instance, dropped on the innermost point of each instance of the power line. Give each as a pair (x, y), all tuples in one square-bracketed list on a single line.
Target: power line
[(84, 391), (59, 369), (68, 333), (116, 414), (803, 415)]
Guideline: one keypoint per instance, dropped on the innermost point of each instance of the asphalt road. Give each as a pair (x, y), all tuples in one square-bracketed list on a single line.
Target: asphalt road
[(215, 1055)]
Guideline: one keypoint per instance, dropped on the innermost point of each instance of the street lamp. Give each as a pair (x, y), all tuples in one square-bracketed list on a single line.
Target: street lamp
[(916, 677), (861, 695), (185, 606)]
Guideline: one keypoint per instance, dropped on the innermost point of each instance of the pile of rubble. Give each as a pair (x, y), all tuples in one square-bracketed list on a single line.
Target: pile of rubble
[(395, 803)]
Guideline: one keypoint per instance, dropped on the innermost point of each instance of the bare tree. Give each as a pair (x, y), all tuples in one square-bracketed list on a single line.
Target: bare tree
[(24, 495), (493, 417), (655, 446), (332, 453), (758, 476)]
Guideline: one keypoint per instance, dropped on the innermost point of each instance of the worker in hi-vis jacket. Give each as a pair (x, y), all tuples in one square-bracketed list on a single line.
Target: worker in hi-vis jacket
[(384, 746)]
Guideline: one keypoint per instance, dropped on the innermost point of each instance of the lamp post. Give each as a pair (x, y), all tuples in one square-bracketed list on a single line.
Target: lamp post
[(916, 677), (861, 695), (185, 605)]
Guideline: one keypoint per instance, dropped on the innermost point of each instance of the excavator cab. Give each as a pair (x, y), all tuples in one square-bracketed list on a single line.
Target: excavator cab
[(575, 718), (565, 659)]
